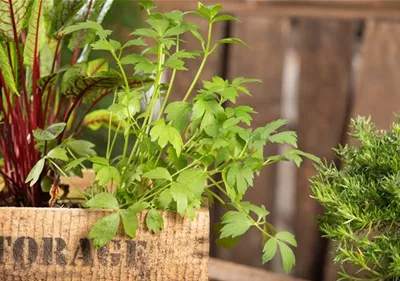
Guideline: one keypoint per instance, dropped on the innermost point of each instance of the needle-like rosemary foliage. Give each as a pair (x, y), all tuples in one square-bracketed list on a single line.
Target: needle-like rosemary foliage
[(362, 203)]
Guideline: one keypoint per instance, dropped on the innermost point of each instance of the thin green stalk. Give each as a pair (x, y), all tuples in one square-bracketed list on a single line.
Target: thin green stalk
[(164, 105), (203, 63), (108, 154)]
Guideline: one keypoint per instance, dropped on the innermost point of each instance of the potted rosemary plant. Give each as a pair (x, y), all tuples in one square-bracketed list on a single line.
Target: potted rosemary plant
[(147, 212), (361, 203)]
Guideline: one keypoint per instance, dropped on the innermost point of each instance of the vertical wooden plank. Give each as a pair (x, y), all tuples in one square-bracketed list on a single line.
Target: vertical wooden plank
[(377, 86), (325, 51), (268, 39)]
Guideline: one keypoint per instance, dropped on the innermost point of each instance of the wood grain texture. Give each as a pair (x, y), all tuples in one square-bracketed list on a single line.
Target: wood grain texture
[(227, 271), (342, 9), (49, 245), (378, 84), (377, 89), (325, 51), (264, 60)]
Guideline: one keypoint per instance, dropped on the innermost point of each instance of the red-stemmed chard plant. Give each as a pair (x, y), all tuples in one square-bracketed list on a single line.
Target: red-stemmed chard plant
[(41, 92)]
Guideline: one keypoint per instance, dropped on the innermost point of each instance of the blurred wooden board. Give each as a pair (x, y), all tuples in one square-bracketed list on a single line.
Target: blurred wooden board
[(377, 90), (227, 271), (325, 49), (353, 9), (256, 62)]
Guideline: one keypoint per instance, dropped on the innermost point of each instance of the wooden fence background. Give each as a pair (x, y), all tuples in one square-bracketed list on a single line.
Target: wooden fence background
[(322, 62)]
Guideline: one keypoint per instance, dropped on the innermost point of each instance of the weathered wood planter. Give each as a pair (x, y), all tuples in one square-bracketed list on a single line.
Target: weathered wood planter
[(46, 244)]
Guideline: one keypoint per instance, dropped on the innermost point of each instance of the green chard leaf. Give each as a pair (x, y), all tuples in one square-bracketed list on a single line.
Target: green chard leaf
[(17, 10), (7, 71), (37, 32), (104, 230)]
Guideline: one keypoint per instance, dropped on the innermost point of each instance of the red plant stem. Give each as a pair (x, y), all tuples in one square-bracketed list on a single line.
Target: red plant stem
[(37, 99), (46, 107), (79, 128)]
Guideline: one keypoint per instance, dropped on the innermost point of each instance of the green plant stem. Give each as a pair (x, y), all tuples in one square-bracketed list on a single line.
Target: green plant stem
[(203, 63), (108, 154), (171, 84), (155, 96), (70, 182)]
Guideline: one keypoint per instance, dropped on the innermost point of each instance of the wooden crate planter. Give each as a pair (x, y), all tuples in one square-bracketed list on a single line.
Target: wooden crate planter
[(50, 244)]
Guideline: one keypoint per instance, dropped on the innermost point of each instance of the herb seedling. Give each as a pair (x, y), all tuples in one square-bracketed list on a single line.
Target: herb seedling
[(361, 202), (180, 155)]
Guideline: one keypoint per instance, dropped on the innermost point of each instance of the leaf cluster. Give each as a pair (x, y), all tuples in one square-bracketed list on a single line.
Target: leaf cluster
[(180, 155), (361, 202)]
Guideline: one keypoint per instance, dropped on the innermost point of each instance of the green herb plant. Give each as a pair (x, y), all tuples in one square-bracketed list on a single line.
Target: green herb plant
[(185, 154), (44, 78), (362, 203)]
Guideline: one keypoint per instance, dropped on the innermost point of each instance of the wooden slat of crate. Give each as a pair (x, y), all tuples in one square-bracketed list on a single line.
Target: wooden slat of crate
[(325, 50), (268, 40), (377, 86), (227, 271), (354, 9)]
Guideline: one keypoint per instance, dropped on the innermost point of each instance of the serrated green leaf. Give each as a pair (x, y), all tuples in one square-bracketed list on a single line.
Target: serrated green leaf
[(165, 134), (34, 174), (106, 45), (288, 137), (154, 221), (224, 18), (145, 32), (160, 25), (259, 211), (231, 41), (178, 113), (165, 199), (74, 163), (130, 222), (234, 224), (288, 258), (195, 179), (81, 147), (102, 33), (134, 42), (286, 237), (102, 201), (269, 250), (141, 63), (180, 194), (58, 153), (159, 173), (104, 230), (139, 206)]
